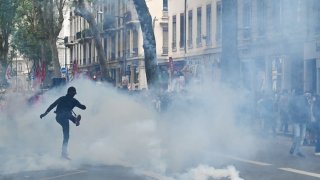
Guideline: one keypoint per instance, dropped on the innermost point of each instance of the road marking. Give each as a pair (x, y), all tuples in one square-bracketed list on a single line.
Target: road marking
[(250, 161), (301, 172), (64, 175)]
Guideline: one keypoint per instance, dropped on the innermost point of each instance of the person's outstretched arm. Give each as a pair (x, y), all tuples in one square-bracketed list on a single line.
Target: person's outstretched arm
[(54, 104), (79, 105)]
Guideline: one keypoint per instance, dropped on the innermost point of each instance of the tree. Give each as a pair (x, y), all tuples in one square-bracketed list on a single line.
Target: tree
[(82, 11), (27, 36), (51, 19), (7, 15), (149, 43)]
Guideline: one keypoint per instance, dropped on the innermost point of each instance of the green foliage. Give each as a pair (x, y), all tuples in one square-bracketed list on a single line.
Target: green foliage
[(7, 15), (27, 37)]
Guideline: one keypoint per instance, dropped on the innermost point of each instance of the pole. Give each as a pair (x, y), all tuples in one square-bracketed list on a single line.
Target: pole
[(16, 74), (65, 63), (65, 57), (125, 46)]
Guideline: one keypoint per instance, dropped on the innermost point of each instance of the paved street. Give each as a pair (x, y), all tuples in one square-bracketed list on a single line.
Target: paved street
[(277, 164)]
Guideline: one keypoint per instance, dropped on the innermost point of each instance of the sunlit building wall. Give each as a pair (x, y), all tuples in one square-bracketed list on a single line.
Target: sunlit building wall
[(64, 36), (122, 41), (195, 38), (271, 38)]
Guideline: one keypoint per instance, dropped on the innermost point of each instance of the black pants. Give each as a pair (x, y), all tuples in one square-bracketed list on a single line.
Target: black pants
[(63, 120), (317, 129)]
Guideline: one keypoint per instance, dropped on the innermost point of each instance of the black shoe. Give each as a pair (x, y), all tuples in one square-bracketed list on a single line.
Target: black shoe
[(66, 157), (78, 118), (300, 155)]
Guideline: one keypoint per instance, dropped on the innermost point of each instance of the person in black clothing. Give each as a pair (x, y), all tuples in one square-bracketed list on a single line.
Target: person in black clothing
[(316, 115), (300, 114), (65, 104)]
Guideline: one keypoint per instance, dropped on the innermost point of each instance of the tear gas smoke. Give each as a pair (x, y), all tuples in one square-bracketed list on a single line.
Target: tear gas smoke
[(121, 129)]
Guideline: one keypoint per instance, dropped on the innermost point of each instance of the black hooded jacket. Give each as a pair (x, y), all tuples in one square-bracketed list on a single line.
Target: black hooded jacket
[(65, 104)]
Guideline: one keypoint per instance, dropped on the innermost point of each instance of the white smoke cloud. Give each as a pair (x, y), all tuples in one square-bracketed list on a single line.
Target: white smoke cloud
[(121, 129), (203, 172)]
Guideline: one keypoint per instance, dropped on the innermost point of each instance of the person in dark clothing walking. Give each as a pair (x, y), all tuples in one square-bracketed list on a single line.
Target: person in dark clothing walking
[(316, 115), (283, 111), (300, 114), (65, 104)]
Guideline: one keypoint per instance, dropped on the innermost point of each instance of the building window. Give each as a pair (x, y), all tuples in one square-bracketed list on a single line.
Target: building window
[(119, 44), (174, 32), (276, 13), (94, 53), (219, 23), (127, 44), (105, 46), (165, 5), (199, 24), (208, 25), (182, 30), (113, 47), (135, 42), (190, 28), (246, 19), (165, 40), (19, 67), (84, 53), (90, 49), (261, 13)]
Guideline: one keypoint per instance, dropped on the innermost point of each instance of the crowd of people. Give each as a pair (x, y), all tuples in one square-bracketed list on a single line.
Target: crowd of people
[(295, 113)]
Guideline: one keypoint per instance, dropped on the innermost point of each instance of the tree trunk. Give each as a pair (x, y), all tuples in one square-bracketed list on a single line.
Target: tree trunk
[(52, 23), (55, 58), (4, 50), (149, 43), (82, 11)]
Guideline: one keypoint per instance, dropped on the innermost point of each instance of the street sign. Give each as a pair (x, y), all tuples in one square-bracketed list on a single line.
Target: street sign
[(63, 70)]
